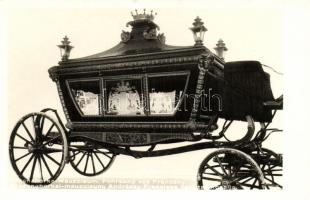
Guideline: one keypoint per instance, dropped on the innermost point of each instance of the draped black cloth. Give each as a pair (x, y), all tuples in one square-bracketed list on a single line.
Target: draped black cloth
[(243, 89)]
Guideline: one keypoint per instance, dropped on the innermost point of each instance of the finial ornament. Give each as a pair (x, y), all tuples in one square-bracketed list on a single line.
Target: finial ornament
[(220, 49), (198, 30), (65, 49)]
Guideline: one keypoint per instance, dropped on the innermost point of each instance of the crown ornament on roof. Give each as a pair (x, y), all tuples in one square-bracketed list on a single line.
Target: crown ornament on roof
[(143, 16)]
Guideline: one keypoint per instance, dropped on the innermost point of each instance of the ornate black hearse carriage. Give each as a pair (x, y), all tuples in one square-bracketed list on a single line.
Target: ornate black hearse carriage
[(143, 92)]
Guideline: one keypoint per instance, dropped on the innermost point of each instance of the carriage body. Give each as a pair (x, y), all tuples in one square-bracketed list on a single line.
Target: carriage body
[(137, 102), (158, 97)]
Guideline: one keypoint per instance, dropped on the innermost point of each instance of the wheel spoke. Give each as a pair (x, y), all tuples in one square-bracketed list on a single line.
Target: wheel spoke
[(75, 153), (211, 179), (104, 153), (49, 130), (253, 185), (275, 167), (273, 175), (16, 147), (81, 159), (52, 159), (220, 163), (28, 132), (243, 171), (86, 162), (242, 176), (40, 165), (270, 173), (214, 170), (273, 182), (272, 170), (33, 168), (99, 160), (206, 173), (21, 157), (21, 137), (245, 181), (26, 165), (47, 167), (256, 179), (93, 163)]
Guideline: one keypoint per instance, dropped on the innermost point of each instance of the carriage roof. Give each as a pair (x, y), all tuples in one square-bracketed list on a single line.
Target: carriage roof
[(143, 42)]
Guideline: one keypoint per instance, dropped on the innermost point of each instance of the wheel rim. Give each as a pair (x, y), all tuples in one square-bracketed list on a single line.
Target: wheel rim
[(37, 148), (271, 166), (90, 160), (229, 169)]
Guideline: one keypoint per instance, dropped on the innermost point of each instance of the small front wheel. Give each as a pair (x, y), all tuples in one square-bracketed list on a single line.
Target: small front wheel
[(89, 159), (38, 149)]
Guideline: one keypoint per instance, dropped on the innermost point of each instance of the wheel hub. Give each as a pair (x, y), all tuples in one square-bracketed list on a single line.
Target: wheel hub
[(35, 148), (228, 183)]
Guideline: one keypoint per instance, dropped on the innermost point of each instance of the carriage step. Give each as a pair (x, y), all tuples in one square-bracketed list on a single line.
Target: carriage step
[(274, 105)]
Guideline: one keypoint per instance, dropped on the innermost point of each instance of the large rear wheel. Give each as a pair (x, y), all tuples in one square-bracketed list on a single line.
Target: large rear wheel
[(271, 166), (229, 169), (38, 149)]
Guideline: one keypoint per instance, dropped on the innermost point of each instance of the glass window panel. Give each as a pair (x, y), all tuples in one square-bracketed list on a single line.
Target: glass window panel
[(165, 92), (124, 97), (86, 95)]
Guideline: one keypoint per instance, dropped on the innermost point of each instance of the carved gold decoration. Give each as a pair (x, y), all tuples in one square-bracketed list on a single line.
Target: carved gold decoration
[(125, 36)]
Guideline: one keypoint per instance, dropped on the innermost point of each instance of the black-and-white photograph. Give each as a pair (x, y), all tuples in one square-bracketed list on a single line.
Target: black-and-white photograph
[(145, 95)]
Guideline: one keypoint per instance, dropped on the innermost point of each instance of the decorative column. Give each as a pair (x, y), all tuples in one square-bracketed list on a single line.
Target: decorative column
[(204, 64)]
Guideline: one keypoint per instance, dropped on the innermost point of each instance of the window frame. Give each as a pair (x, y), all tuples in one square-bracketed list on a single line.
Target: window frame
[(167, 74), (144, 78), (140, 77), (68, 81)]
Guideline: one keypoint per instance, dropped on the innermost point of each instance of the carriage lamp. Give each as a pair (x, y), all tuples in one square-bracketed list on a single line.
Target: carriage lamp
[(65, 48), (198, 30), (221, 49)]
